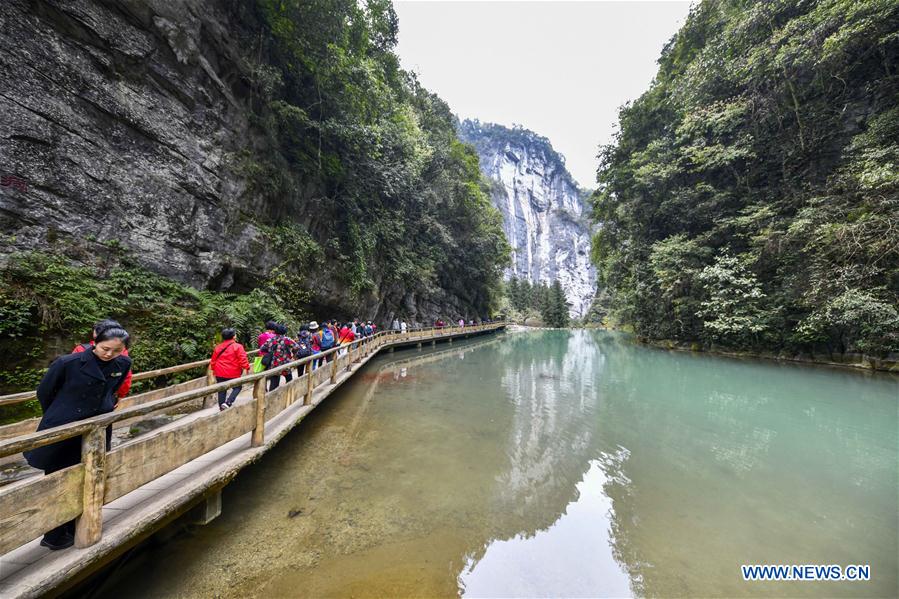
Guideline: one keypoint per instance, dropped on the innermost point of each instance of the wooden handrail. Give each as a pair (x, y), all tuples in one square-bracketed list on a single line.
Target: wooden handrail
[(74, 429), (16, 398), (7, 400)]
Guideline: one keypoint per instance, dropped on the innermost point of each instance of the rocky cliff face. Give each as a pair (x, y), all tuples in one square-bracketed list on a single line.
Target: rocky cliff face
[(128, 124), (120, 128), (544, 213)]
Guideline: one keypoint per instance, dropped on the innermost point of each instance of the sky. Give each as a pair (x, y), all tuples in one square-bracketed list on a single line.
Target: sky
[(560, 69)]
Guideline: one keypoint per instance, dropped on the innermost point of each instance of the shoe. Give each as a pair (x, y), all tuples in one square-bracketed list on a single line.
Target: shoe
[(223, 407), (64, 543)]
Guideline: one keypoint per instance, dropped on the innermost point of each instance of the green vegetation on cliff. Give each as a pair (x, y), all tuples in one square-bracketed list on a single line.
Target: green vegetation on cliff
[(45, 299), (367, 158), (751, 198)]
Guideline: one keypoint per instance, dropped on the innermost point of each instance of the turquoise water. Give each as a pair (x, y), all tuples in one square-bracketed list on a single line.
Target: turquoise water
[(557, 463)]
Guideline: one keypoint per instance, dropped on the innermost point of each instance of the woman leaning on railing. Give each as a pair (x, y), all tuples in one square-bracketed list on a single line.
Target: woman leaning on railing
[(75, 387)]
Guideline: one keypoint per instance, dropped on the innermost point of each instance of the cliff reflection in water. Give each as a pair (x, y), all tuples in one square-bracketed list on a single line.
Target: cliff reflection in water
[(638, 471), (551, 514)]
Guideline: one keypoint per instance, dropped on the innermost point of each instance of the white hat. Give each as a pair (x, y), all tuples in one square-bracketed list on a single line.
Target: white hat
[(313, 325)]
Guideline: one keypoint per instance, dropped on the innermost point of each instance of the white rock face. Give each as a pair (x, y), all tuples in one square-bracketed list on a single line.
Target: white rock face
[(544, 212)]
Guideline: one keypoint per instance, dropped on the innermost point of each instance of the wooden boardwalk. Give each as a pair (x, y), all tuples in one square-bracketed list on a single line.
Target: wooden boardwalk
[(122, 496)]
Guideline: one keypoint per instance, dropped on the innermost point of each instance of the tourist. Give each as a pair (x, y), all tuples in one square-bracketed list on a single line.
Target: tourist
[(316, 335), (229, 361), (347, 335), (396, 324), (327, 338), (330, 335), (267, 334), (281, 348), (461, 322), (403, 327), (75, 387), (369, 329), (98, 328), (304, 348)]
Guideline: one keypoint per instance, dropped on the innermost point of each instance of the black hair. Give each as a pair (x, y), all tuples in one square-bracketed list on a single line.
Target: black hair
[(228, 334), (280, 329), (115, 333), (304, 327), (270, 325), (104, 324)]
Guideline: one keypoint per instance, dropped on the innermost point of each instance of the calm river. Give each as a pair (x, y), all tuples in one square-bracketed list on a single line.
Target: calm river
[(556, 464)]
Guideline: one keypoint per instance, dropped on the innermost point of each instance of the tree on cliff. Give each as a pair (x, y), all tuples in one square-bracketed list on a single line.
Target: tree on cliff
[(367, 159), (751, 197)]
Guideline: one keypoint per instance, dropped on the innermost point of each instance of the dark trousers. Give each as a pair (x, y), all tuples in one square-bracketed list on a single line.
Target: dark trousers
[(57, 536), (275, 381), (232, 392)]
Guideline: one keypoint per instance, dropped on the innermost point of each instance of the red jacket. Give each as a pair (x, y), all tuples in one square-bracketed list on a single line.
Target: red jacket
[(346, 336), (126, 384), (229, 360)]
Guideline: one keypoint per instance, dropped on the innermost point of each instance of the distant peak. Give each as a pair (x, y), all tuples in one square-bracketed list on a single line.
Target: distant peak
[(499, 138)]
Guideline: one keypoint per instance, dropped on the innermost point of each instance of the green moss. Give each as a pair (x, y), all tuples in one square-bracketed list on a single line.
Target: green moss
[(49, 302)]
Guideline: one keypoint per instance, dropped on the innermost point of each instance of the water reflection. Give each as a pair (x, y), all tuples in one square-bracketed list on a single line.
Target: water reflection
[(557, 463), (573, 557)]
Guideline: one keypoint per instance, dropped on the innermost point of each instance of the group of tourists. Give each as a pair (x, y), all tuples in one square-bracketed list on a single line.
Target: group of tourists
[(276, 348), (96, 375)]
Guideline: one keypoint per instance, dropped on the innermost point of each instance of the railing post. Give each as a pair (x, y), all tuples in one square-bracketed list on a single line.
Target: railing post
[(209, 400), (89, 526), (258, 437), (336, 355), (310, 378)]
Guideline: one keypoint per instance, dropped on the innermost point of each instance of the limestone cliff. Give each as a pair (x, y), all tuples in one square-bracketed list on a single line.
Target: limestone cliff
[(544, 212)]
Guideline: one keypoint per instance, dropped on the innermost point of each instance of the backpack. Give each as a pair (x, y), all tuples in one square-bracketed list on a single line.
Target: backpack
[(304, 347), (269, 348), (327, 341), (368, 331)]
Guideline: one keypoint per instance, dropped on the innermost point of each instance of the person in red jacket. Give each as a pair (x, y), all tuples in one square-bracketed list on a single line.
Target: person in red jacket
[(229, 361), (96, 330)]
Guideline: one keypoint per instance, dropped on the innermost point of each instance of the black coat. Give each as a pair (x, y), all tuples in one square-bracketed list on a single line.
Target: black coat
[(74, 388)]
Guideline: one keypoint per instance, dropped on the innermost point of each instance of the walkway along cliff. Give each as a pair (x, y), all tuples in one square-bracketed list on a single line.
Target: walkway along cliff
[(122, 496)]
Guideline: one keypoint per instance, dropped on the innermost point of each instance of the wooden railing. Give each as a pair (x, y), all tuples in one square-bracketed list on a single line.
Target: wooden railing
[(35, 505), (30, 424), (16, 398)]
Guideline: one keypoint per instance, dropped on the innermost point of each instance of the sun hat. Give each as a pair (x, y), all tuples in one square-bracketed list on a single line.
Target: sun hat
[(313, 325)]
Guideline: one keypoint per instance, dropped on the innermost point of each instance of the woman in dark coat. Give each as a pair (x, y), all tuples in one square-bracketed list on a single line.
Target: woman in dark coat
[(75, 387)]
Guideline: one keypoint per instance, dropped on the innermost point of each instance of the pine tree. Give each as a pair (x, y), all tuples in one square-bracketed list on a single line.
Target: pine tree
[(527, 293), (558, 306), (513, 292)]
